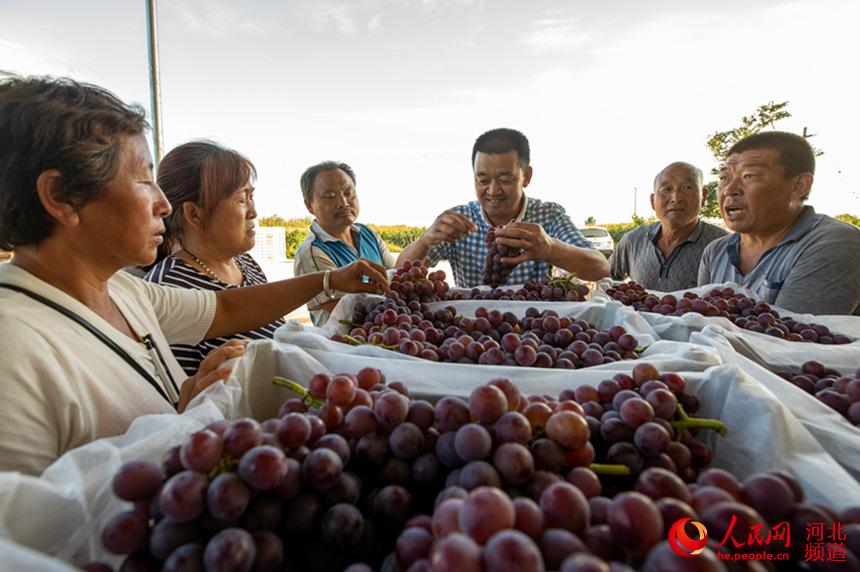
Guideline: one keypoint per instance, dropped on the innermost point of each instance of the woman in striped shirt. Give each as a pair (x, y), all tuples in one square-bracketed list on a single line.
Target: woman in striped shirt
[(209, 232)]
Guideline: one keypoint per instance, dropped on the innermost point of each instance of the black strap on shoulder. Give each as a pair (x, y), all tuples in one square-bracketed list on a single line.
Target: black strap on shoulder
[(98, 334)]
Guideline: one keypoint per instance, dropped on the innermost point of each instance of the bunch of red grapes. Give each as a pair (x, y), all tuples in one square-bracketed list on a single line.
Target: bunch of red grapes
[(567, 529), (495, 271), (414, 282), (492, 337), (644, 420), (356, 475), (742, 310), (840, 392), (546, 289)]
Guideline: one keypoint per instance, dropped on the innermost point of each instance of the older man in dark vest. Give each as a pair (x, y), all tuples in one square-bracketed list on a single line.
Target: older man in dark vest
[(335, 238)]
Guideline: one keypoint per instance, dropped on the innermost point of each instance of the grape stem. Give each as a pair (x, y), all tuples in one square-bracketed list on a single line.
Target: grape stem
[(296, 388), (565, 283), (225, 464), (610, 470), (687, 422), (355, 342)]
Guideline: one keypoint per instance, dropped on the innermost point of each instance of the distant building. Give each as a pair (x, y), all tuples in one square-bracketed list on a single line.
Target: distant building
[(271, 244)]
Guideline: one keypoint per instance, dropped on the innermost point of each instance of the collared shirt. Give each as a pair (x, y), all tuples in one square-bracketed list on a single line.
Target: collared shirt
[(365, 240), (467, 255), (314, 255), (62, 387), (814, 269), (638, 256)]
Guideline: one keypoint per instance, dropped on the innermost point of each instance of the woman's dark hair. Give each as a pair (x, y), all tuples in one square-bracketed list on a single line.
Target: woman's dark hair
[(203, 173), (56, 123)]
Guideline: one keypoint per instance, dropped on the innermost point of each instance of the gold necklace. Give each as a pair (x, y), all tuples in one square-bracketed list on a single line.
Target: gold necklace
[(208, 270)]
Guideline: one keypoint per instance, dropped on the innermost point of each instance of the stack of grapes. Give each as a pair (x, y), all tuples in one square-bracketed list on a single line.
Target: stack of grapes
[(743, 311), (331, 485), (413, 282), (630, 294), (496, 272), (541, 339), (490, 530), (644, 420), (840, 392), (308, 490), (355, 479), (546, 289)]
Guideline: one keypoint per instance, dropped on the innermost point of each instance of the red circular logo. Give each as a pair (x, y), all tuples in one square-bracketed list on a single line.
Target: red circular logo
[(682, 544)]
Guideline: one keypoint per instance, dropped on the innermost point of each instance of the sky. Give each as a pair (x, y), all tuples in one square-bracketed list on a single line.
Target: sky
[(608, 93)]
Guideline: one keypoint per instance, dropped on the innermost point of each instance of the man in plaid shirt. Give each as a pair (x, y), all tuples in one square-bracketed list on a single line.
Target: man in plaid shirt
[(542, 230)]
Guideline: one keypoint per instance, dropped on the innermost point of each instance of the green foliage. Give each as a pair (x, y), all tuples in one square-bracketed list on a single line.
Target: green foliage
[(590, 221), (711, 209), (294, 238), (398, 237), (277, 220), (616, 231), (272, 220), (765, 116), (720, 142), (849, 218), (395, 237), (304, 222)]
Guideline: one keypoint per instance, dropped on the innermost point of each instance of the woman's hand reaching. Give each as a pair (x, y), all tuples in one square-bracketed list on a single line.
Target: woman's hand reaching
[(209, 372), (360, 276)]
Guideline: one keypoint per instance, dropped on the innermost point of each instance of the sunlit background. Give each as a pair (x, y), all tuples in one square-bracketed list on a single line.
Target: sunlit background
[(607, 92)]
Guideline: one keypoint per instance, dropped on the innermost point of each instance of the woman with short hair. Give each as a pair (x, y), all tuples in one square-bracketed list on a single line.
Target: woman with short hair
[(86, 347), (209, 232)]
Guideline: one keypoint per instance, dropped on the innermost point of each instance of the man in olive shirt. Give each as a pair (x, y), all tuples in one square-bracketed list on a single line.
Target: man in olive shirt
[(783, 250), (665, 255)]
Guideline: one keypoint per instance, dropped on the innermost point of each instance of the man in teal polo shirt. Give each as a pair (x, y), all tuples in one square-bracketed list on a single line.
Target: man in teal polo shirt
[(335, 239)]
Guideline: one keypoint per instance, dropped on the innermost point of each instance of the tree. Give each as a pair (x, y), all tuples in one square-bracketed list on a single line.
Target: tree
[(765, 116), (590, 221), (711, 209), (720, 142), (273, 220)]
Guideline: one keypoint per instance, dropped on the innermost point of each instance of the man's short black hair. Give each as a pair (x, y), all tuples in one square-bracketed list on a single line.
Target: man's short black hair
[(795, 153), (310, 176), (502, 140)]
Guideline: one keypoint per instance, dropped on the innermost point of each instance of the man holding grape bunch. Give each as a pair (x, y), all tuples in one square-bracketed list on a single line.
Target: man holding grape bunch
[(541, 231)]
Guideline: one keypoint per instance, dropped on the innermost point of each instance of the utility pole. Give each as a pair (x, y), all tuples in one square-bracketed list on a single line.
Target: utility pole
[(154, 85), (635, 201)]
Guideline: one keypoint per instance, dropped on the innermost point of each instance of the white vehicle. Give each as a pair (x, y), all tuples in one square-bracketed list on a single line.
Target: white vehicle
[(599, 239)]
